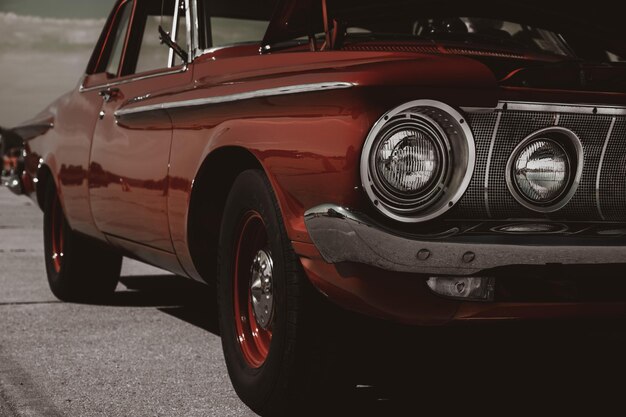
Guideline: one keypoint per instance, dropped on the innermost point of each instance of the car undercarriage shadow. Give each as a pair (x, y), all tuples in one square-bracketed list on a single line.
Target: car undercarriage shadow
[(401, 371), (521, 367), (180, 297)]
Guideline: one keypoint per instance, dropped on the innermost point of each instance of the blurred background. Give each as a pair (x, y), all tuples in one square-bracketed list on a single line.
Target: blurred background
[(44, 49)]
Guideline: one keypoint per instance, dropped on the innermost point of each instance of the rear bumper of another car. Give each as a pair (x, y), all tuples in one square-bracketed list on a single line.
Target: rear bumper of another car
[(557, 271)]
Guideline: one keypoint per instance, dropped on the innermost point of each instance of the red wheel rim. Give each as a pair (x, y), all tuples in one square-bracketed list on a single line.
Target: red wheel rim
[(56, 231), (254, 339)]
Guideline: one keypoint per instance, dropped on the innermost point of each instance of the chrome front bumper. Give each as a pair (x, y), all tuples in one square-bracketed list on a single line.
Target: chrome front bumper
[(341, 235)]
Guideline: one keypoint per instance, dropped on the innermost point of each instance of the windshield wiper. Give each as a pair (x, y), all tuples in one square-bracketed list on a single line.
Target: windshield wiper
[(167, 40)]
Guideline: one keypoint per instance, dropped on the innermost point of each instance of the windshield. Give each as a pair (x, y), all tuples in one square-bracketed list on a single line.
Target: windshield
[(532, 27), (488, 32)]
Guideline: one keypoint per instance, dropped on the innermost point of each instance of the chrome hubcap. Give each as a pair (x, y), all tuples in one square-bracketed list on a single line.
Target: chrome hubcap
[(261, 290)]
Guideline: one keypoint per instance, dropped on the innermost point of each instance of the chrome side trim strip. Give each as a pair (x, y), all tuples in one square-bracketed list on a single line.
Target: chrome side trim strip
[(551, 108), (602, 155), (488, 167), (270, 92), (84, 89)]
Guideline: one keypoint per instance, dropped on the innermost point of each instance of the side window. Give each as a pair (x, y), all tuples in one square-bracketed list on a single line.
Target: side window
[(152, 53), (107, 54), (119, 39), (145, 52)]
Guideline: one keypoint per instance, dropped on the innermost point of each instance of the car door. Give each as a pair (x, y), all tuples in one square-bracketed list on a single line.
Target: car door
[(128, 171)]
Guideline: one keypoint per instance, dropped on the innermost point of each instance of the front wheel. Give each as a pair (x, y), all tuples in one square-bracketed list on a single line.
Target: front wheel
[(78, 268), (271, 319)]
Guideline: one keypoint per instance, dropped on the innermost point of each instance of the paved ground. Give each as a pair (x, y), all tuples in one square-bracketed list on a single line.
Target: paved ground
[(155, 351)]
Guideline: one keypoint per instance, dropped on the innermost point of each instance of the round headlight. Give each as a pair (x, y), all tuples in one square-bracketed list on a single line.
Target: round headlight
[(417, 161), (408, 161), (542, 171)]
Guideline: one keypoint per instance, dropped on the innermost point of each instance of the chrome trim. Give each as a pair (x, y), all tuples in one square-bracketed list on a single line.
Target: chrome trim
[(604, 148), (193, 29), (450, 196), (171, 57), (558, 228), (488, 166), (563, 199), (402, 203), (83, 89), (262, 288), (270, 92), (341, 235), (551, 108)]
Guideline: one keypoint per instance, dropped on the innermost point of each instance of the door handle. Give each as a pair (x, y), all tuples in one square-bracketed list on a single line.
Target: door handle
[(110, 94)]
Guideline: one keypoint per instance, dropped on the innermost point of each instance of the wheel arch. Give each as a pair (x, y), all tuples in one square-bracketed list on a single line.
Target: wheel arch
[(44, 177), (210, 189)]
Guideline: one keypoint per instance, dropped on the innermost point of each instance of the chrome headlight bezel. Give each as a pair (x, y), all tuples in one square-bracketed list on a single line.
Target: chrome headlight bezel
[(571, 145), (454, 141), (406, 201)]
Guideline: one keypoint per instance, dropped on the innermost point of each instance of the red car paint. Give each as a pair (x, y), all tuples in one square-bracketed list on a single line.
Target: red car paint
[(132, 180)]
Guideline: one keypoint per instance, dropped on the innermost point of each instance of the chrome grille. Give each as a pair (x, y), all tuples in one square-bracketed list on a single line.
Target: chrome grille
[(473, 201), (599, 197), (612, 190), (592, 131)]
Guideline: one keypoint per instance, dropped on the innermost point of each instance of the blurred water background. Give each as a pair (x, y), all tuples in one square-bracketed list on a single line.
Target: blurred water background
[(44, 49)]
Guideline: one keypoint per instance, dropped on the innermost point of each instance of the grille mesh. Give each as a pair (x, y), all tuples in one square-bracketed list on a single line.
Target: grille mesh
[(514, 127), (613, 178), (474, 200), (592, 131)]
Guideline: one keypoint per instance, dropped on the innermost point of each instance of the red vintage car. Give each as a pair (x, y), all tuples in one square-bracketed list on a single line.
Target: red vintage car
[(421, 162)]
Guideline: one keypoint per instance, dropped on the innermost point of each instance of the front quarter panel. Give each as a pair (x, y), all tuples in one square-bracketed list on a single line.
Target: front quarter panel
[(309, 144)]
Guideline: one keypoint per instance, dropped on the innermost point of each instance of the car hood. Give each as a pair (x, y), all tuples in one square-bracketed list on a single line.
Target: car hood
[(296, 18)]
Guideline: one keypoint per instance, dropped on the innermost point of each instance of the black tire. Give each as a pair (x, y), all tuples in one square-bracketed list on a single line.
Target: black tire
[(301, 370), (79, 269)]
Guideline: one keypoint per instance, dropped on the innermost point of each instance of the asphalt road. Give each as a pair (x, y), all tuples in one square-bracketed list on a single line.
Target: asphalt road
[(155, 351)]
